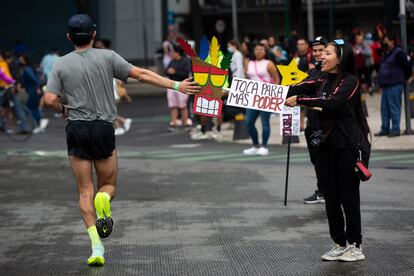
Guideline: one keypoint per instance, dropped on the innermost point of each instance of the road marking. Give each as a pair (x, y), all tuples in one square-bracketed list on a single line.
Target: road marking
[(151, 119), (205, 157), (185, 146), (410, 161), (187, 155), (269, 157), (392, 157)]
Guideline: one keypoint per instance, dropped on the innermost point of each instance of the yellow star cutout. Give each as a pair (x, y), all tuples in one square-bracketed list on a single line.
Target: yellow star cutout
[(291, 74)]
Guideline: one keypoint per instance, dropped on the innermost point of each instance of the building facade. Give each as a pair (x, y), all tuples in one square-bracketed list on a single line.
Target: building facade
[(138, 27)]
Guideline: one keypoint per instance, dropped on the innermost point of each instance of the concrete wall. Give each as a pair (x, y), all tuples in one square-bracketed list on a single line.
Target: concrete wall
[(134, 26)]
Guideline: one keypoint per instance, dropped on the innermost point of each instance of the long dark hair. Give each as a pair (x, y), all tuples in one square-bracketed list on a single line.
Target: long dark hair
[(347, 66), (28, 61), (253, 57)]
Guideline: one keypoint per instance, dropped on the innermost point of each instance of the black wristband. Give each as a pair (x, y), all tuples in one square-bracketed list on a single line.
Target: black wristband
[(63, 109)]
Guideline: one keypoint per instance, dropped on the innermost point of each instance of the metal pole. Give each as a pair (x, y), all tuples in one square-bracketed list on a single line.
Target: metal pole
[(144, 30), (287, 22), (403, 25), (331, 20), (311, 32), (234, 17), (164, 18), (287, 170)]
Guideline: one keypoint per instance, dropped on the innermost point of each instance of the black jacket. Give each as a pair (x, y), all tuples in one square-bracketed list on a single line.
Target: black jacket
[(314, 117), (182, 69), (333, 99)]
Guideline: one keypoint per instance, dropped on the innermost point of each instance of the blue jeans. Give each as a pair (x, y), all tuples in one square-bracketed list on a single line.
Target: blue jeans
[(16, 107), (391, 108), (251, 117), (33, 103)]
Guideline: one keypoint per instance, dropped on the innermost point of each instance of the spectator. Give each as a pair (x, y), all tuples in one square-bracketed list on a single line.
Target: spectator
[(178, 69), (48, 60), (314, 122), (236, 65), (5, 81), (304, 60), (31, 83), (363, 61), (260, 69), (167, 45), (338, 96), (376, 56), (394, 71)]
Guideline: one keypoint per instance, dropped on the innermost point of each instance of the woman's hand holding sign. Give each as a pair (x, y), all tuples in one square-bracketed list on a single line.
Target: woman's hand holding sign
[(291, 101)]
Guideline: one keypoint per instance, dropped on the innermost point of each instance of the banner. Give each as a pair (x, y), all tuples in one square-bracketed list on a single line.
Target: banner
[(257, 95), (290, 121)]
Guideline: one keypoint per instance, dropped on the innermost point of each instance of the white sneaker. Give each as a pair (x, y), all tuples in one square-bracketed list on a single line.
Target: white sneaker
[(217, 136), (262, 151), (44, 123), (38, 130), (250, 151), (334, 254), (199, 136), (352, 254), (119, 131), (127, 124)]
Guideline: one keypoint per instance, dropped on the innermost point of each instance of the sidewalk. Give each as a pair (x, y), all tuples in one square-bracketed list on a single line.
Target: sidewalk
[(403, 142)]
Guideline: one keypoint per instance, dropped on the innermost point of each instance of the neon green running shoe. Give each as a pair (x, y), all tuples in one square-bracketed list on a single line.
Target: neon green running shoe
[(97, 257), (104, 223)]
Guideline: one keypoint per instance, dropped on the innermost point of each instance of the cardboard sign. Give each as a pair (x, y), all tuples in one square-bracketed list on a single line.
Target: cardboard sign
[(210, 72), (257, 95), (290, 121), (291, 73)]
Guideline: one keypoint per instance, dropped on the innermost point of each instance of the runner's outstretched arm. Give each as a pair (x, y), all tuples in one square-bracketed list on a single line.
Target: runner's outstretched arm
[(186, 86)]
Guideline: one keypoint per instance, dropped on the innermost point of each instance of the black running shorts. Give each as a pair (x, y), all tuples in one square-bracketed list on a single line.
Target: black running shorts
[(91, 140)]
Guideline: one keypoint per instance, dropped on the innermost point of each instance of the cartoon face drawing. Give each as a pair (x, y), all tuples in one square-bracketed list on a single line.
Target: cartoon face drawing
[(209, 71), (211, 79)]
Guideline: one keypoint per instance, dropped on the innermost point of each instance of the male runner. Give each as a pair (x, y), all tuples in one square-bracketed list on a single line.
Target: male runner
[(85, 76)]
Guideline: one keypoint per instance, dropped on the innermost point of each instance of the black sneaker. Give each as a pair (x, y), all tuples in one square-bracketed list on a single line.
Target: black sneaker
[(317, 197), (381, 133), (394, 134)]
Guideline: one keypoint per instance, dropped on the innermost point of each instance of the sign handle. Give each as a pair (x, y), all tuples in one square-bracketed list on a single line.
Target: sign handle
[(287, 170)]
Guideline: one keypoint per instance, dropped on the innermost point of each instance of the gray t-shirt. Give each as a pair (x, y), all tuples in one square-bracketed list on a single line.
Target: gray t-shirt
[(85, 78)]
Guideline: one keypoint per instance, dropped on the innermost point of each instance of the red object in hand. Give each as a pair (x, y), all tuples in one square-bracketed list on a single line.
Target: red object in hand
[(363, 172)]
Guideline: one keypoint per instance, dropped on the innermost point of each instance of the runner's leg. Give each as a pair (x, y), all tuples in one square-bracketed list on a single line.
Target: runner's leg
[(82, 170), (106, 170)]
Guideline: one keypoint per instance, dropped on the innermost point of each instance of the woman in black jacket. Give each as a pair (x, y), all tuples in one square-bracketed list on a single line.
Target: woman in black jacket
[(338, 94)]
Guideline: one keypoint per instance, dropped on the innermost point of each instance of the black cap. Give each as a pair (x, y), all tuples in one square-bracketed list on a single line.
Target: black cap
[(81, 24), (320, 40)]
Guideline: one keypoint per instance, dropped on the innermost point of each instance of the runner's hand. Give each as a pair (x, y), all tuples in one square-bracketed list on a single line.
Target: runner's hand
[(65, 112), (188, 86)]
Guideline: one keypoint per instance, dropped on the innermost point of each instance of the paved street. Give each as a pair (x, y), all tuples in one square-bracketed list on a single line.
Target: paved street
[(188, 207)]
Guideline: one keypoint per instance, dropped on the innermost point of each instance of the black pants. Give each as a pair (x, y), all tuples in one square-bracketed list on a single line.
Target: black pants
[(340, 186), (312, 154)]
